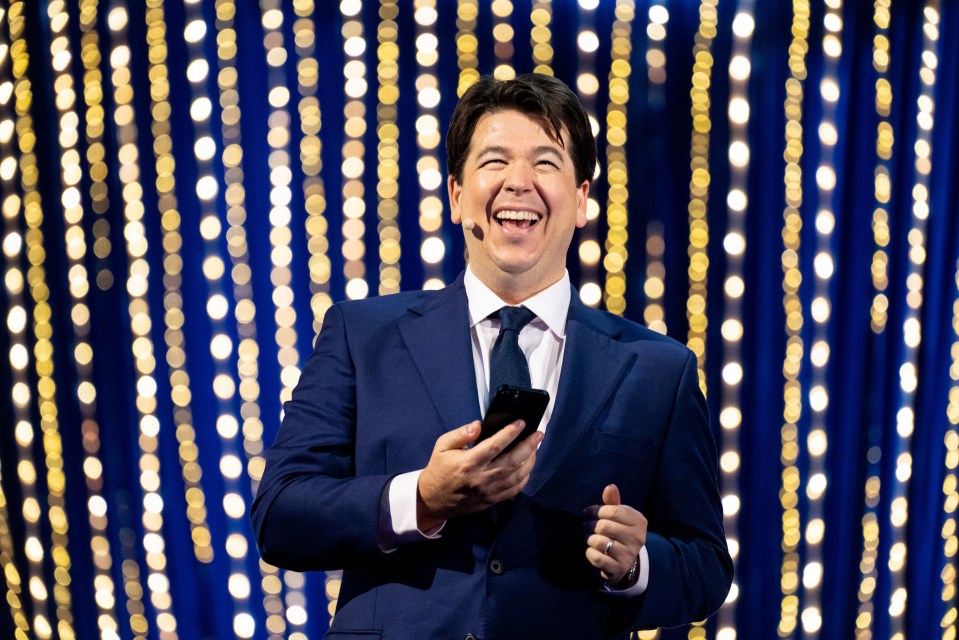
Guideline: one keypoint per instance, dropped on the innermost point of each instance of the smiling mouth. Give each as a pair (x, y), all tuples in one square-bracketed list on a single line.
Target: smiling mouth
[(511, 219)]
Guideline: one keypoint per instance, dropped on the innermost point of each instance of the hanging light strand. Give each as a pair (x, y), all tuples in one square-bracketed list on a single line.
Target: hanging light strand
[(314, 192), (467, 46), (152, 516), (237, 542), (237, 245), (174, 318), (24, 431), (699, 199), (734, 245), (19, 357), (46, 397), (13, 279), (950, 489), (95, 116), (217, 308), (278, 137), (817, 440), (19, 354), (137, 287), (792, 305), (11, 575), (912, 329), (654, 286), (352, 168), (617, 202), (79, 282), (882, 176), (882, 183), (699, 185), (221, 346), (428, 165), (503, 40), (388, 148), (541, 36), (281, 276), (354, 151), (587, 85)]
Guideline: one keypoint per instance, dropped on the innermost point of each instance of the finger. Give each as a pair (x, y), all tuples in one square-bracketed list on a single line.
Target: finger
[(618, 550), (510, 492), (516, 464), (504, 479), (488, 449), (611, 494), (509, 486), (610, 497), (530, 443), (625, 515), (615, 530), (458, 438), (608, 566), (619, 513), (521, 453)]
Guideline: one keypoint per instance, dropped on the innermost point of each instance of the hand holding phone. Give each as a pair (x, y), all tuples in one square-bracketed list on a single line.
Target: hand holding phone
[(511, 404)]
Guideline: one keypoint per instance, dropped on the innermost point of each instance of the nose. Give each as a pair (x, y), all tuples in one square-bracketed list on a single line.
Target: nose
[(519, 177)]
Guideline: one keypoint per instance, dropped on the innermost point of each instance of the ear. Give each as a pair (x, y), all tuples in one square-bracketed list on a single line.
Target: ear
[(582, 196), (455, 190)]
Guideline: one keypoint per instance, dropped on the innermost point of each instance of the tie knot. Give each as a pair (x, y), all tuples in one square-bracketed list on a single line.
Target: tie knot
[(514, 318)]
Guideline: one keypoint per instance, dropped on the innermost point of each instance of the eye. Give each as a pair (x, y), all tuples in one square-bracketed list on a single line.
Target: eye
[(492, 161), (547, 163)]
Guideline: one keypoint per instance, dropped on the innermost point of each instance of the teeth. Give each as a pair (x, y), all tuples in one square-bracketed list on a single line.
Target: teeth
[(518, 215)]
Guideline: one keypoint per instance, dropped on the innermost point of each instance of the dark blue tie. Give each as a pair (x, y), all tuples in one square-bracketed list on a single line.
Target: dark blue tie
[(507, 364)]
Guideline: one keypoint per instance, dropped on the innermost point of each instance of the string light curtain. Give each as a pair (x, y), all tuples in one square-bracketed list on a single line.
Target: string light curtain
[(186, 187)]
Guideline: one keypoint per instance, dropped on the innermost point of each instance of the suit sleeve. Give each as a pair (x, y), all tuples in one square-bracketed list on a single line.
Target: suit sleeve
[(311, 510), (690, 568)]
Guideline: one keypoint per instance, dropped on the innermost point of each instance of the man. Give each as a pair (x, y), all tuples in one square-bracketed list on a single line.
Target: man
[(606, 519)]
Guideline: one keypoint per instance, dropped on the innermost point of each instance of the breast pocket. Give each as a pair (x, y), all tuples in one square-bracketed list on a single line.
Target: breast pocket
[(631, 447)]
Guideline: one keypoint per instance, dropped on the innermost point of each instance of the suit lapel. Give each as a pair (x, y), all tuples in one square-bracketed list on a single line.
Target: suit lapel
[(592, 368), (438, 340)]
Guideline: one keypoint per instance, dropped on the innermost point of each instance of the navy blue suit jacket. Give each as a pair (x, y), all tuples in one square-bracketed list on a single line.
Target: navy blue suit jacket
[(389, 376)]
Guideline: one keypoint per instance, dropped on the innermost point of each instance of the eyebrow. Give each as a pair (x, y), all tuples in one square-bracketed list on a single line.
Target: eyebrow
[(542, 149)]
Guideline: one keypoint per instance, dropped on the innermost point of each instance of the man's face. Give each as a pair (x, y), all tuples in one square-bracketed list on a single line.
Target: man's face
[(519, 188)]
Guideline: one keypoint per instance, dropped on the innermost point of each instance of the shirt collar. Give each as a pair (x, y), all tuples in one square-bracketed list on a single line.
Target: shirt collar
[(551, 305)]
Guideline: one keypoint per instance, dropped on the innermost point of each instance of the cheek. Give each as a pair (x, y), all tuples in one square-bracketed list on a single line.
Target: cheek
[(560, 200), (484, 187)]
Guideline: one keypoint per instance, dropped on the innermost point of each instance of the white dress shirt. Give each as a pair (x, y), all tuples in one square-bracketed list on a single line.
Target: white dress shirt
[(543, 342)]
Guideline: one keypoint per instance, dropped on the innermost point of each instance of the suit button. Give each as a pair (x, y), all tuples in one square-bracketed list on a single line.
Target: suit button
[(496, 567)]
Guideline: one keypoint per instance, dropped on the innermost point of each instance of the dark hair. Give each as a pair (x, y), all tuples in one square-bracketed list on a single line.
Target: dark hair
[(542, 98)]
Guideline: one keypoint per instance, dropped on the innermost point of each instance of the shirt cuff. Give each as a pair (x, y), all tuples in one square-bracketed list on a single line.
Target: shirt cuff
[(641, 582), (397, 523)]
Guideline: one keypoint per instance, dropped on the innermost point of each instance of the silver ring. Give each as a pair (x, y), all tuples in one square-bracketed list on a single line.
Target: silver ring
[(609, 545)]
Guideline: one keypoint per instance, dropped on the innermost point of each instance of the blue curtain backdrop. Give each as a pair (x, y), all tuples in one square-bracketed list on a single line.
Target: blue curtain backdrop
[(187, 186)]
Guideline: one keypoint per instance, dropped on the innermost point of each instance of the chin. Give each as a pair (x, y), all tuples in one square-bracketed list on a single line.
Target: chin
[(516, 267)]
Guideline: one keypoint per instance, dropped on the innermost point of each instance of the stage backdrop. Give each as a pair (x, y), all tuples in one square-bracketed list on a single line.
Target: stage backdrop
[(187, 186)]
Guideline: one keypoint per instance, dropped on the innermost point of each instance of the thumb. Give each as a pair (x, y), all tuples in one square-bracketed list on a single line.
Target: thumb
[(611, 494), (459, 438)]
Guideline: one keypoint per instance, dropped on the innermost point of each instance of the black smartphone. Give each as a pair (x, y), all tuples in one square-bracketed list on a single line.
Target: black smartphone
[(511, 404)]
